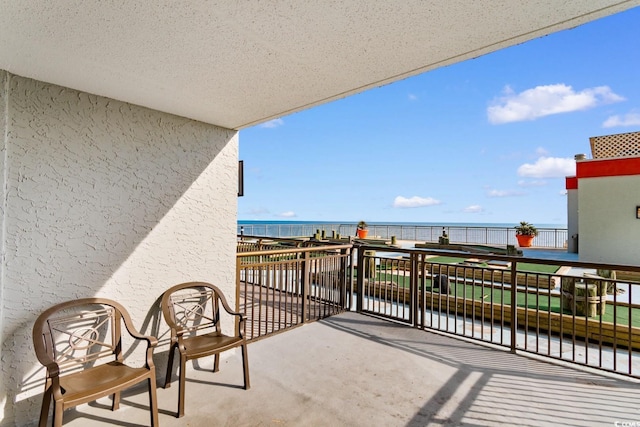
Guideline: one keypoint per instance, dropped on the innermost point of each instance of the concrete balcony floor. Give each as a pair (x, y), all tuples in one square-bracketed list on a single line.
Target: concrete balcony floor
[(355, 370)]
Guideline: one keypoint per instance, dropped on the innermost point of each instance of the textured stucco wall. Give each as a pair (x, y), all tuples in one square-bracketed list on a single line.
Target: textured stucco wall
[(3, 152), (609, 230), (103, 198)]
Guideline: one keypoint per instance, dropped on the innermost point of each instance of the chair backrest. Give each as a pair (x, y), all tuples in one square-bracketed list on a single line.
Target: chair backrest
[(193, 306), (79, 332)]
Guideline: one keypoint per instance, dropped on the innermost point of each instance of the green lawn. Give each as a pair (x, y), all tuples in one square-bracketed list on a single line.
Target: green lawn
[(537, 268), (498, 295), (544, 302), (541, 302), (445, 260)]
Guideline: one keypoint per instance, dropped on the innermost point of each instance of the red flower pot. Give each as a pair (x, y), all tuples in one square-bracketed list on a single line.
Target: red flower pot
[(524, 241), (362, 234)]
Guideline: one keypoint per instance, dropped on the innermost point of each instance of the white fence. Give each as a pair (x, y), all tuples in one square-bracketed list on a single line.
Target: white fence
[(551, 238)]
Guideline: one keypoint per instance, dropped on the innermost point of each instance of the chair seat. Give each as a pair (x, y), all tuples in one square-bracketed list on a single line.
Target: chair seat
[(207, 344), (99, 381)]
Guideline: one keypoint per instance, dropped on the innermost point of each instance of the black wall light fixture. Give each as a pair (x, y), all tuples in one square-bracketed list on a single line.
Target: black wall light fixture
[(240, 178), (638, 212)]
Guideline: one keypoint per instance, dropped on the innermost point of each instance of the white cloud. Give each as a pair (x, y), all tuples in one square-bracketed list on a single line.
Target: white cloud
[(413, 97), (504, 193), (532, 183), (630, 119), (288, 214), (549, 167), (546, 100), (272, 124), (473, 209), (414, 202), (541, 151)]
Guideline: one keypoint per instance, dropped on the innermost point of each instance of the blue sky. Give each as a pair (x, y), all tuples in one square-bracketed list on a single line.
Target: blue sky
[(488, 140)]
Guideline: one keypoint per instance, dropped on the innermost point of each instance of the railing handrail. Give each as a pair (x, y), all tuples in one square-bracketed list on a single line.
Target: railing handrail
[(498, 257), (294, 250)]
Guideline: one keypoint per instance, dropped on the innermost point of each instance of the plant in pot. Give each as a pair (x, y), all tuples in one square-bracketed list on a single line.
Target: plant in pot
[(362, 230), (525, 232)]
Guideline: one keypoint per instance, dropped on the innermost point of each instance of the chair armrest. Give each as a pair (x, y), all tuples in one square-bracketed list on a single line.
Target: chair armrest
[(242, 316), (178, 331), (227, 308), (236, 313), (53, 370), (151, 340)]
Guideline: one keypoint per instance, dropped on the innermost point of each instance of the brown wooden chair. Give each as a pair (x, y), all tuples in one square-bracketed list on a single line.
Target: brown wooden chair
[(192, 311), (80, 344)]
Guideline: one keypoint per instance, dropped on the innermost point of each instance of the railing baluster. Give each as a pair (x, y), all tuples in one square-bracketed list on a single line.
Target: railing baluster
[(514, 305)]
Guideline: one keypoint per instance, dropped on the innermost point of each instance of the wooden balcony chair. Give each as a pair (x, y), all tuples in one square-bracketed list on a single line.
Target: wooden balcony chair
[(80, 344), (192, 311)]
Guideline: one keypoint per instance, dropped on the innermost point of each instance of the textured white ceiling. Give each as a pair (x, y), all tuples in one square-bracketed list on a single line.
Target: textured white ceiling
[(239, 63)]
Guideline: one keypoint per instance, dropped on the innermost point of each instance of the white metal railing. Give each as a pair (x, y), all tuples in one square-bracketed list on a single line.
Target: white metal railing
[(550, 238)]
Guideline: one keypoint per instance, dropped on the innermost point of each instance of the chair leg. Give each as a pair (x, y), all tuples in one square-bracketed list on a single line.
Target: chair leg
[(167, 378), (182, 382), (44, 411), (116, 401), (245, 365), (153, 401), (216, 362), (58, 411)]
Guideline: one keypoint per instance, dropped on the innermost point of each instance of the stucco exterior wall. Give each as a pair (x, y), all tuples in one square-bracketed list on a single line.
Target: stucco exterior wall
[(609, 230), (103, 198)]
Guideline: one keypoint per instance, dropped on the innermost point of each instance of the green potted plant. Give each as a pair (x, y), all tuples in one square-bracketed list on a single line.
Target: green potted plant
[(362, 230), (525, 232)]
